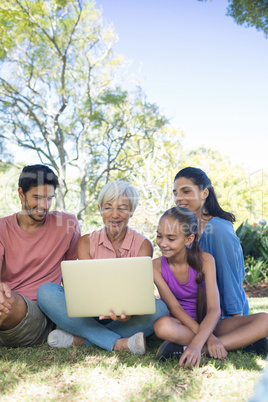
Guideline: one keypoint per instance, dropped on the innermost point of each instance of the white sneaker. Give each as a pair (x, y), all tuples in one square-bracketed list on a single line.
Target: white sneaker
[(137, 344), (60, 339)]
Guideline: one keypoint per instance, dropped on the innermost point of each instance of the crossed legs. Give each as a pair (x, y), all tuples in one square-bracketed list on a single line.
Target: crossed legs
[(239, 332), (234, 332)]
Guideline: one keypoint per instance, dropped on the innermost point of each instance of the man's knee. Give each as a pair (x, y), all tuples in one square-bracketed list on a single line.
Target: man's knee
[(42, 292), (47, 294), (16, 313)]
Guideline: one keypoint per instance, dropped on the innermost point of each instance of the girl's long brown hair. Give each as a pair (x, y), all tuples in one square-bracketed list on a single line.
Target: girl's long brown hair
[(189, 225)]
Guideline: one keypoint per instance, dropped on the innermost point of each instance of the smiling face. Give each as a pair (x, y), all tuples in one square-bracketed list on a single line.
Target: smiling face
[(188, 195), (170, 237), (115, 215), (37, 201)]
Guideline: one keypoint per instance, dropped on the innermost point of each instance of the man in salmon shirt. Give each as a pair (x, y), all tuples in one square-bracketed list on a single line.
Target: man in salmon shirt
[(33, 242)]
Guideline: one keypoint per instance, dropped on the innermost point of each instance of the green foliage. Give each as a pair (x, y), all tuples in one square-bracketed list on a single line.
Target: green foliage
[(251, 13), (246, 196), (254, 242), (256, 270), (60, 98)]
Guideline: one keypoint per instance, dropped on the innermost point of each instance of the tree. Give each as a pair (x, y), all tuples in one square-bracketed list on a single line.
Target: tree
[(60, 97), (154, 181), (251, 13), (241, 193)]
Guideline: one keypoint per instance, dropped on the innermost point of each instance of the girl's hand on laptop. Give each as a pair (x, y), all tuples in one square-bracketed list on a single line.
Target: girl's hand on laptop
[(123, 317)]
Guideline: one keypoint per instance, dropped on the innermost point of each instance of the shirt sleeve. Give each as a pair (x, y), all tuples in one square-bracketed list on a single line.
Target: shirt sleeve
[(2, 251), (72, 253), (2, 247)]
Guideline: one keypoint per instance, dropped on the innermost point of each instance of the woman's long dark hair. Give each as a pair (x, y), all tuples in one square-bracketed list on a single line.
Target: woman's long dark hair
[(200, 179), (189, 225)]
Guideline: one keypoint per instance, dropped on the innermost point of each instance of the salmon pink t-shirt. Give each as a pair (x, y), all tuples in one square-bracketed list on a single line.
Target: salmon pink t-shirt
[(101, 247), (31, 259)]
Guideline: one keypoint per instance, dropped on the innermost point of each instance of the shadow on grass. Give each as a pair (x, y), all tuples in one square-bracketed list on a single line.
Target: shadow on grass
[(18, 365), (164, 379), (43, 355)]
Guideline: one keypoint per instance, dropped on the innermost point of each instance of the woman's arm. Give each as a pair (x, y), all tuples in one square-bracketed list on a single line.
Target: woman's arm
[(84, 247), (146, 249)]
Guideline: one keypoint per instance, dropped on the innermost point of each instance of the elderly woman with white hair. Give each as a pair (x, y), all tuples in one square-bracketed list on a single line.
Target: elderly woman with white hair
[(117, 202)]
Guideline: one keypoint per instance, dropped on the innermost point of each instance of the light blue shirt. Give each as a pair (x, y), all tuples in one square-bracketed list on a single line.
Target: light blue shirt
[(220, 240)]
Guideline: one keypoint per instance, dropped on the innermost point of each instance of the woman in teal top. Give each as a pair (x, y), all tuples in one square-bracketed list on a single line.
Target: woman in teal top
[(220, 240), (193, 190)]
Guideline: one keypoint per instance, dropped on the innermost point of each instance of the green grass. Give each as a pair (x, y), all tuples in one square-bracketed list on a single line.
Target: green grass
[(90, 374)]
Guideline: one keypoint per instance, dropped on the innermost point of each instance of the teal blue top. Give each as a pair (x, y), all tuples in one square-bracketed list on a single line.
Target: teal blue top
[(220, 240)]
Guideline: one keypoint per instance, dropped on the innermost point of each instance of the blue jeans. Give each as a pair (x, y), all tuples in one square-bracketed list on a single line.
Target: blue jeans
[(51, 300)]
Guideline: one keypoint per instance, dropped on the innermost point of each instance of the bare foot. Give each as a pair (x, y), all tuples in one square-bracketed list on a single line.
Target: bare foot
[(136, 344), (78, 341), (121, 343)]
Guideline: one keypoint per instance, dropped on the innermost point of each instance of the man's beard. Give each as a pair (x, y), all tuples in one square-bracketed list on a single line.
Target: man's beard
[(30, 212)]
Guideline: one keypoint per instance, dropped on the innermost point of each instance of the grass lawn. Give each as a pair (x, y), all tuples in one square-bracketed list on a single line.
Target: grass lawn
[(91, 374)]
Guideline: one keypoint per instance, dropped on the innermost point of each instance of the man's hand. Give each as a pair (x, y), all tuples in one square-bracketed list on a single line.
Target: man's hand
[(5, 293), (216, 348)]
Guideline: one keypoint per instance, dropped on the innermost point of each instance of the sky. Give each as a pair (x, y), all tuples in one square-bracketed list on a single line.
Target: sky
[(208, 75)]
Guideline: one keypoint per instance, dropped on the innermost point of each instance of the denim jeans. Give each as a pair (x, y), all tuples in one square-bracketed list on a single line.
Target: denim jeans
[(51, 300)]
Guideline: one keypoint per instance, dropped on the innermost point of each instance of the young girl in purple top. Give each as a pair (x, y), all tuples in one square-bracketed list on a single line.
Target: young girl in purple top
[(186, 280)]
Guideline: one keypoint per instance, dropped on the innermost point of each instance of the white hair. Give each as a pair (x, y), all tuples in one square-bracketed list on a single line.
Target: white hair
[(114, 189)]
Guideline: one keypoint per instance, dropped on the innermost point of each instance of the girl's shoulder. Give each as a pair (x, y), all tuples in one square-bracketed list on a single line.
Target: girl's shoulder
[(208, 261), (207, 257), (157, 263)]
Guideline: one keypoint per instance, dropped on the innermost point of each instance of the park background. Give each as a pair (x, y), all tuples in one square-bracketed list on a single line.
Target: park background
[(111, 90), (130, 90)]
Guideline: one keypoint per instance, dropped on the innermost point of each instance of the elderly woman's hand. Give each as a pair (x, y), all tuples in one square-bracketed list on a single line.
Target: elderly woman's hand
[(123, 317)]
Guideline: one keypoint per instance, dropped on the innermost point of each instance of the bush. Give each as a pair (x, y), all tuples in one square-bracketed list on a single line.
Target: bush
[(254, 239), (256, 270), (254, 242)]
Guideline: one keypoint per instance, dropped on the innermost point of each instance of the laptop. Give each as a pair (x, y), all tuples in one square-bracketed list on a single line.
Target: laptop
[(96, 287)]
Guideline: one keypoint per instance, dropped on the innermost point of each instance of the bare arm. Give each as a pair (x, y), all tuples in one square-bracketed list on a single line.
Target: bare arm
[(84, 247), (146, 249)]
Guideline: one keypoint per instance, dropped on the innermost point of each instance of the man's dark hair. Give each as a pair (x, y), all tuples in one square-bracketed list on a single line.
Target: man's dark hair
[(37, 175)]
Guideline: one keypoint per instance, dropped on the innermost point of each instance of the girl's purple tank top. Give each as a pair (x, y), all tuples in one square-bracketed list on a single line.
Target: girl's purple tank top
[(185, 293)]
